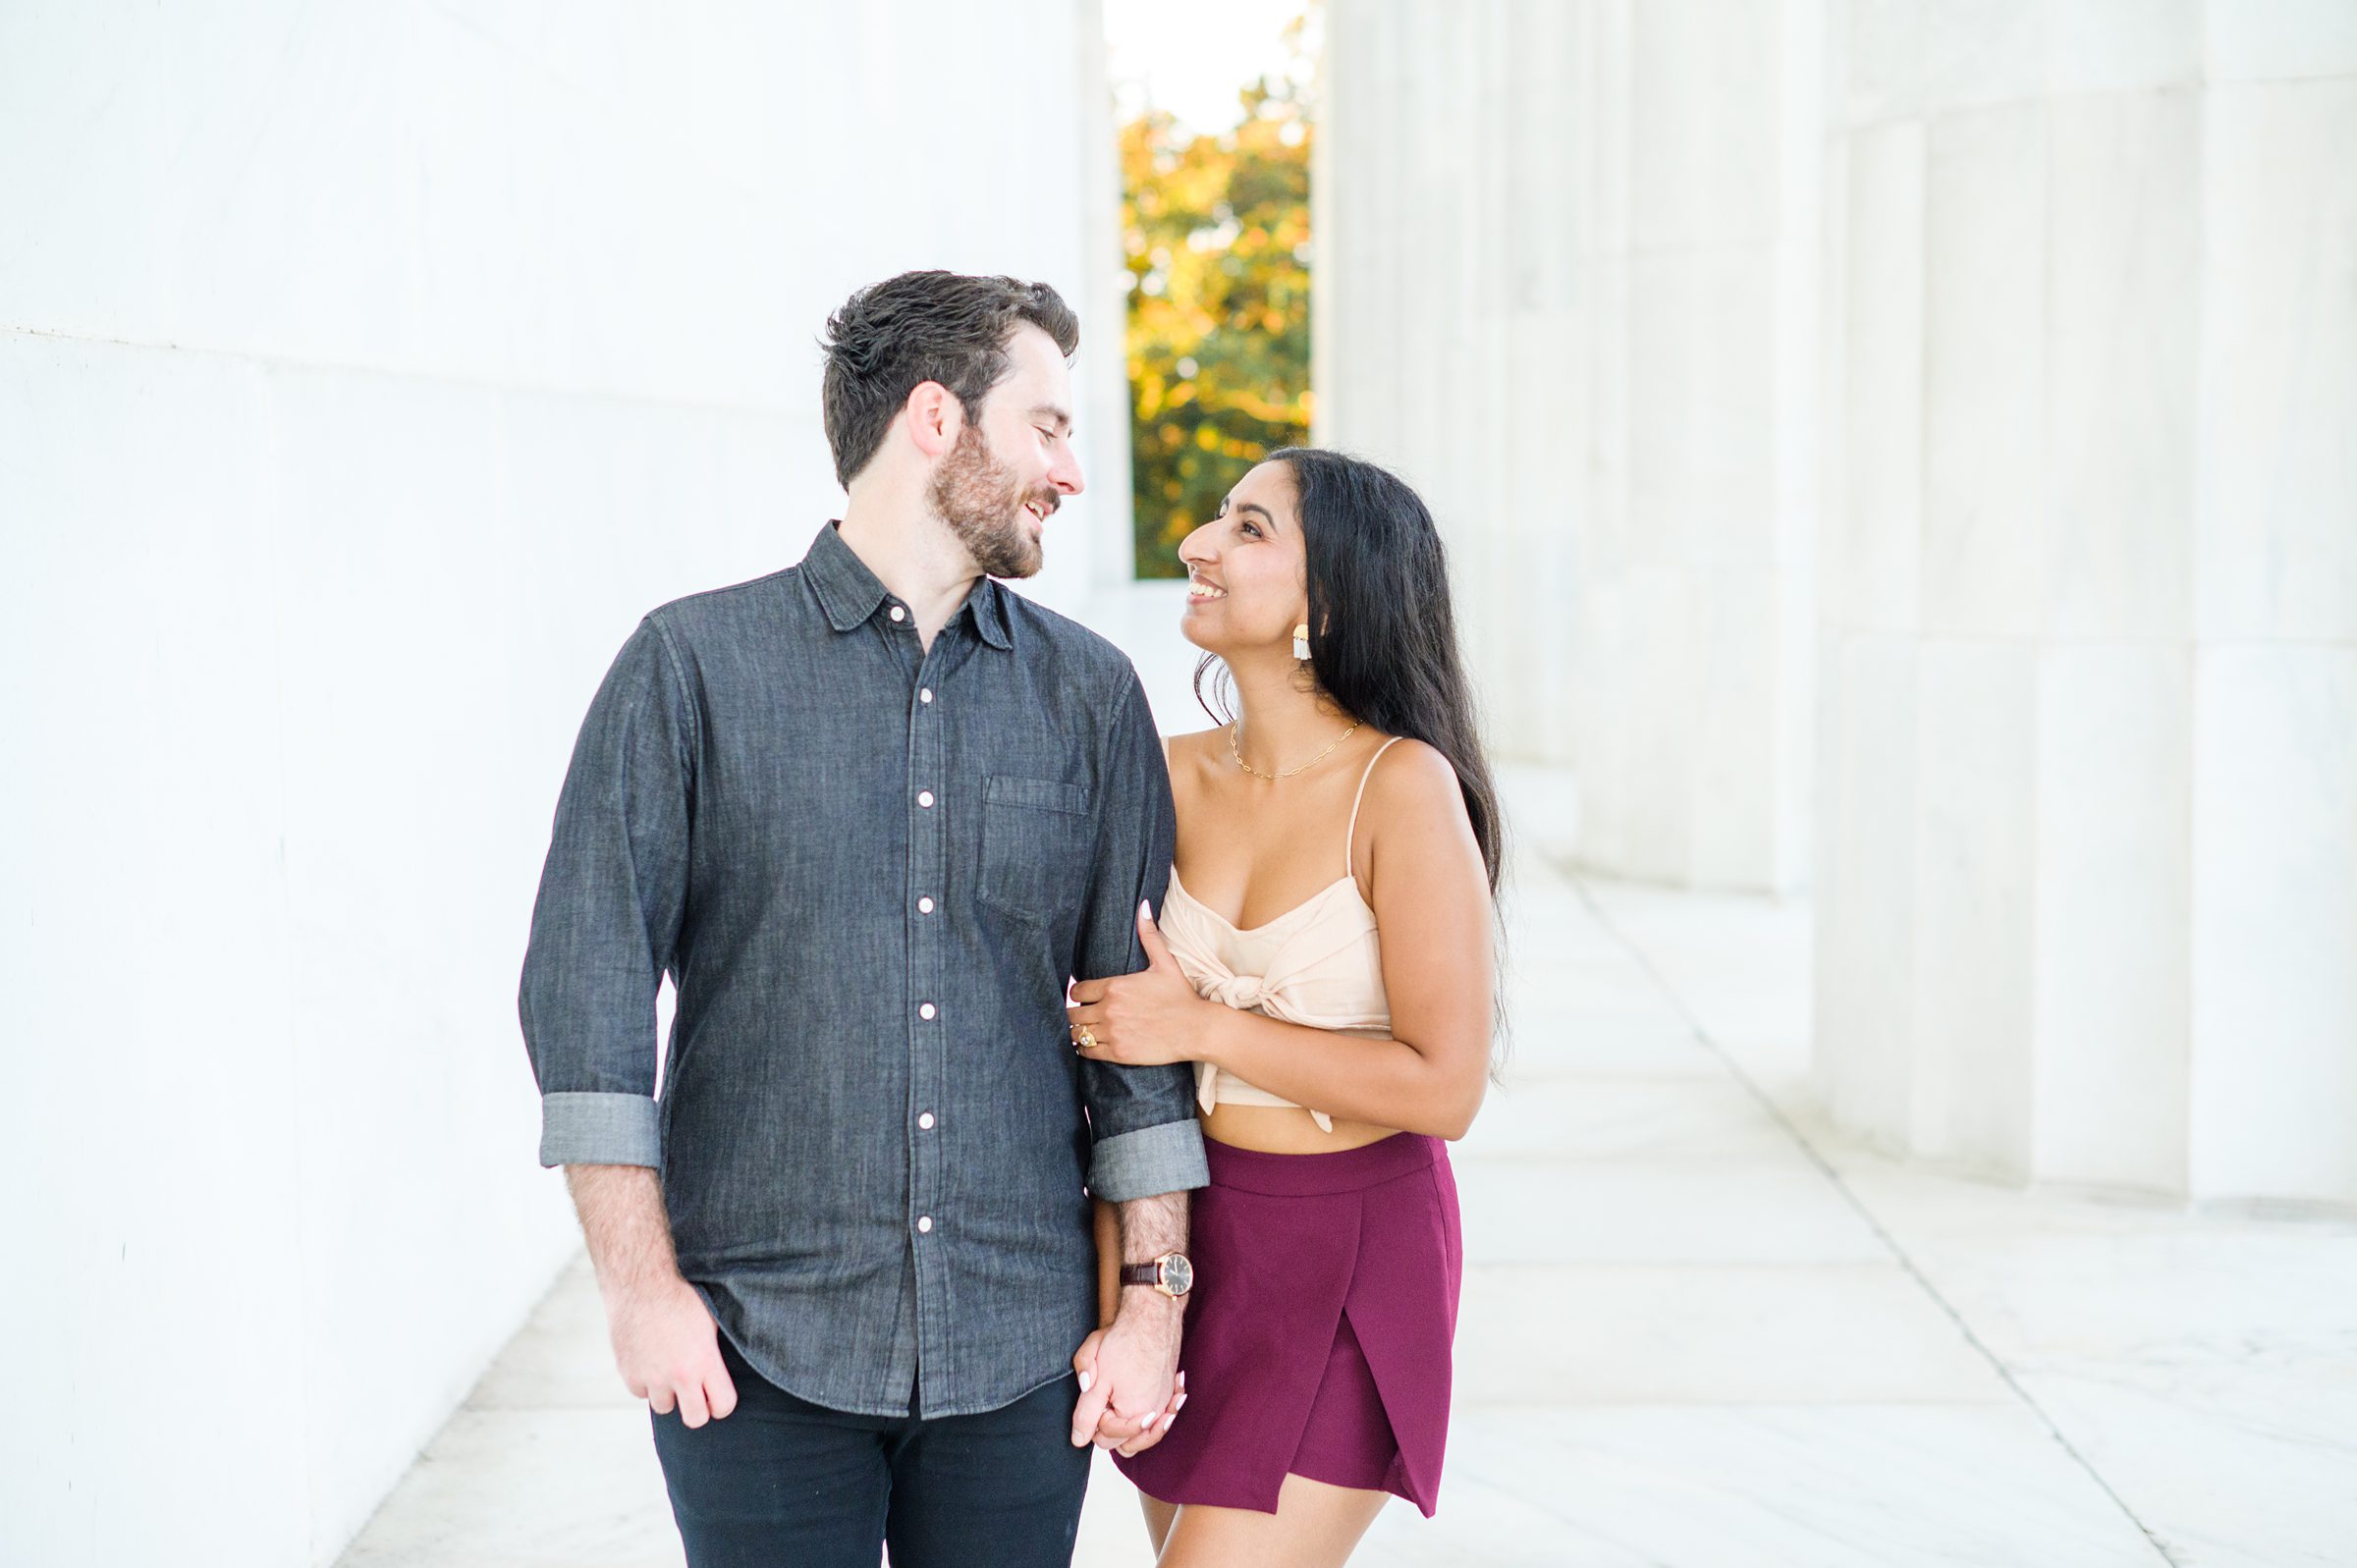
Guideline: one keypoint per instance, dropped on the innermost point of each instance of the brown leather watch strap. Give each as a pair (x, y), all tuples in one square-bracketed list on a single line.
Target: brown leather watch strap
[(1170, 1273)]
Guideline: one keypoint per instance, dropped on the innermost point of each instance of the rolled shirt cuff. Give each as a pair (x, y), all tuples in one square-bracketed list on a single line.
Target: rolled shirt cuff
[(1149, 1162), (599, 1129)]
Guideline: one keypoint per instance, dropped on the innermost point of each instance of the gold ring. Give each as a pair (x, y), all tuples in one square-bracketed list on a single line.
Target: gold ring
[(1088, 1042)]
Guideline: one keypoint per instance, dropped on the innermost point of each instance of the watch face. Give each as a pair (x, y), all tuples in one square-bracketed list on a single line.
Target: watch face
[(1177, 1275)]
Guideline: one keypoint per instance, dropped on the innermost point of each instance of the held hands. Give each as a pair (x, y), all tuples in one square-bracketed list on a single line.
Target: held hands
[(667, 1349), (1142, 1020), (1129, 1392)]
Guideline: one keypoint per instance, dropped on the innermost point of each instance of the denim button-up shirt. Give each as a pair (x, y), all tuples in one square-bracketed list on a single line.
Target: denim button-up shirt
[(869, 869)]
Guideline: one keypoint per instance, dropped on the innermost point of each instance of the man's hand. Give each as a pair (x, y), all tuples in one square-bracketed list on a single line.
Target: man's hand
[(664, 1344), (1084, 1362), (1130, 1385), (667, 1350)]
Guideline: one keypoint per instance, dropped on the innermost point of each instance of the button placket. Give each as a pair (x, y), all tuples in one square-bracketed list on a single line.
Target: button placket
[(928, 965)]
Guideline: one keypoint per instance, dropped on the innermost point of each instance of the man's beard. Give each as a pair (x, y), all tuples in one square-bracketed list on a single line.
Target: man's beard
[(981, 499)]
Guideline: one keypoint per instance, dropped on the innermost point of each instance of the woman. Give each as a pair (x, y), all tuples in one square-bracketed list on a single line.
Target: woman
[(1349, 798)]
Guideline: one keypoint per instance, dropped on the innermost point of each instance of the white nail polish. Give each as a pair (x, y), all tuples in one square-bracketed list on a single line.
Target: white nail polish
[(1086, 1380)]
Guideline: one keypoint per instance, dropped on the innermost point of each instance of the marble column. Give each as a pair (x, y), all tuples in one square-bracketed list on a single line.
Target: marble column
[(1566, 283), (2087, 815)]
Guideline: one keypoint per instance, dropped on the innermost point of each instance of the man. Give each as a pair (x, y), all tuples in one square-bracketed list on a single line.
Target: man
[(871, 814)]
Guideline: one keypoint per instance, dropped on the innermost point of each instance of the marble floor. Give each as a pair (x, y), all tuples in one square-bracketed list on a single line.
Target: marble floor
[(1700, 1331)]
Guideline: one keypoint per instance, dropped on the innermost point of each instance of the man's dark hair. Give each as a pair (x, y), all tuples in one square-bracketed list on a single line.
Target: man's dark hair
[(918, 327)]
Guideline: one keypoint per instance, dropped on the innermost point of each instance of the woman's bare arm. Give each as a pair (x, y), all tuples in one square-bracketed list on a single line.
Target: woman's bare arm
[(1432, 905), (1109, 1262)]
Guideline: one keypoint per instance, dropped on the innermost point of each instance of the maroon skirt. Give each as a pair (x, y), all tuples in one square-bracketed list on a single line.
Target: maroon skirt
[(1318, 1332)]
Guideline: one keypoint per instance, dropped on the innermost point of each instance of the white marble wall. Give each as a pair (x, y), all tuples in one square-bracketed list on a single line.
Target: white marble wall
[(364, 373), (1566, 284), (2087, 821), (1903, 448)]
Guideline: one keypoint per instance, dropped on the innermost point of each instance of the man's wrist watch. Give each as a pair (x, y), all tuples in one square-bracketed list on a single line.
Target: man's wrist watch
[(1170, 1273)]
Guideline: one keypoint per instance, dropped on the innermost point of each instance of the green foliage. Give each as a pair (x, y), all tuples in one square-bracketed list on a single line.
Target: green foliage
[(1217, 235)]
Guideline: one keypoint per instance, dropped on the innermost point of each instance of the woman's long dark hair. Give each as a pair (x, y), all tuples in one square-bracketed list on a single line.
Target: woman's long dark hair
[(1382, 632)]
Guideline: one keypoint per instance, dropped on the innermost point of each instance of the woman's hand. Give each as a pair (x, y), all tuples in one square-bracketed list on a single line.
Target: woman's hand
[(1142, 1020)]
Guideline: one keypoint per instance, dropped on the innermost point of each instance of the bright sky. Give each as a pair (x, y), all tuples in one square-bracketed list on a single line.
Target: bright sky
[(1191, 59)]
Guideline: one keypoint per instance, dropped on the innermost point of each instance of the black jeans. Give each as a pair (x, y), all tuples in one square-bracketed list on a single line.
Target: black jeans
[(782, 1482)]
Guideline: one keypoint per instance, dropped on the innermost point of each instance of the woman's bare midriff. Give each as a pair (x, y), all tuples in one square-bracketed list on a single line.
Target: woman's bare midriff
[(1285, 1130)]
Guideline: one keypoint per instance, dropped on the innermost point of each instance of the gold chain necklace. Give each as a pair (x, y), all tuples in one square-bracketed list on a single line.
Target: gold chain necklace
[(1289, 772)]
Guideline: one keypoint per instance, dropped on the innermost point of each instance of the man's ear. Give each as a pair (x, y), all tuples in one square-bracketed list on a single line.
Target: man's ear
[(935, 417)]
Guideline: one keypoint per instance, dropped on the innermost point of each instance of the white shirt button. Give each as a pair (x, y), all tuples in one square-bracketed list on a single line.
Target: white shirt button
[(924, 907), (925, 1224), (925, 1011), (924, 798), (898, 613), (925, 695), (926, 1122)]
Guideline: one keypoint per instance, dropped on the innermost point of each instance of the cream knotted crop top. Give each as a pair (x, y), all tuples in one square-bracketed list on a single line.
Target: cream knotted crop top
[(1317, 964)]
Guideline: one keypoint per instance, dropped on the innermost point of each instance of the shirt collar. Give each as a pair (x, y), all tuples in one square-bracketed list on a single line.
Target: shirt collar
[(988, 602), (850, 593)]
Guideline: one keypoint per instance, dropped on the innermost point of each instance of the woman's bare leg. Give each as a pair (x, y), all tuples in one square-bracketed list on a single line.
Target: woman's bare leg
[(1159, 1515), (1315, 1526)]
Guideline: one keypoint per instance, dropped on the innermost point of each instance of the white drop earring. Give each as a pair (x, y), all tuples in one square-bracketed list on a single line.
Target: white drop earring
[(1302, 640)]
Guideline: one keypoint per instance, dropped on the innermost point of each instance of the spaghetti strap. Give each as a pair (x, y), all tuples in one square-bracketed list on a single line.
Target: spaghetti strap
[(1351, 832)]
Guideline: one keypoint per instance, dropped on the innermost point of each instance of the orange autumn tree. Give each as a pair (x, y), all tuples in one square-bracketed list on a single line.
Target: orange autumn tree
[(1217, 233)]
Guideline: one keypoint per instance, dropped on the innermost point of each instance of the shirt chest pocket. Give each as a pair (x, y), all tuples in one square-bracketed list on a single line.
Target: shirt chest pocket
[(1037, 835)]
